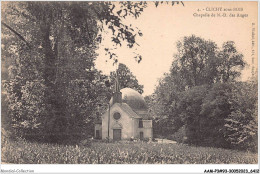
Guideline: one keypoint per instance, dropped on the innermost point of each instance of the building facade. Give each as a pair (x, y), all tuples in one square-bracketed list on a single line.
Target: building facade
[(127, 117)]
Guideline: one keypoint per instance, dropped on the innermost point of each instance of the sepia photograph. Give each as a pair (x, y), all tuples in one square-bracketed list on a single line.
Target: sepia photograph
[(129, 82)]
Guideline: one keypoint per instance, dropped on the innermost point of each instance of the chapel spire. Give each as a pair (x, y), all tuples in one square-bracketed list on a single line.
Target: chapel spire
[(117, 87), (117, 95)]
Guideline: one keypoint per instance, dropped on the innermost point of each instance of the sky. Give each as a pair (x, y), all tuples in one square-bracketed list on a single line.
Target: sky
[(163, 26)]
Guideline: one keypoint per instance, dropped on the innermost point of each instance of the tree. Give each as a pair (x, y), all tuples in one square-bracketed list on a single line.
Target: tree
[(196, 92), (164, 106), (53, 50), (126, 78), (199, 62), (49, 49), (196, 62), (215, 108), (221, 115), (86, 102), (189, 111), (231, 62), (241, 124), (194, 65)]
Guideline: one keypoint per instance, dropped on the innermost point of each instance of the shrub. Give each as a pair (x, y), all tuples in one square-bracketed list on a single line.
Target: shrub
[(179, 136)]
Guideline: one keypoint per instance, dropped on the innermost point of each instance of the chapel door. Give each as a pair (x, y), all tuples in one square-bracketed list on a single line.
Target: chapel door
[(141, 135), (116, 134)]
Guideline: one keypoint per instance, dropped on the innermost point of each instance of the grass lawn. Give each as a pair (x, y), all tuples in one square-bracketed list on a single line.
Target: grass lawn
[(23, 152)]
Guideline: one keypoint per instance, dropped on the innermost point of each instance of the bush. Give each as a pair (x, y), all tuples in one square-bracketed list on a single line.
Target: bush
[(179, 136)]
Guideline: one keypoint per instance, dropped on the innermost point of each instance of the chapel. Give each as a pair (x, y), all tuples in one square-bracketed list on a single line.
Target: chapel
[(126, 117)]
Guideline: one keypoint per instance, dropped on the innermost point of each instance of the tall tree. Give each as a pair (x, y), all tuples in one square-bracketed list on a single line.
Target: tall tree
[(214, 109), (165, 106), (231, 62), (52, 50), (196, 62), (180, 98), (200, 61), (190, 108)]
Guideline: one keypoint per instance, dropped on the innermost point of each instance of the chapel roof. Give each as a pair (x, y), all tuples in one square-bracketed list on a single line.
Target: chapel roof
[(125, 107), (133, 98), (133, 103)]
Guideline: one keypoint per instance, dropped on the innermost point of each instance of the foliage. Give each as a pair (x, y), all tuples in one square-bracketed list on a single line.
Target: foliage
[(24, 152), (196, 62), (180, 135), (190, 106), (163, 106), (241, 124), (126, 78), (49, 50), (221, 115), (230, 115), (201, 94), (82, 96), (215, 109), (230, 62), (28, 110), (200, 61)]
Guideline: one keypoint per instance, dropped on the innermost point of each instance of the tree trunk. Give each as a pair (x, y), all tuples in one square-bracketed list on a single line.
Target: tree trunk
[(53, 95)]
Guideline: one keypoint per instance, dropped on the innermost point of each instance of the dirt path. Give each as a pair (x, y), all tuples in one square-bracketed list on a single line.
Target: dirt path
[(165, 141)]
